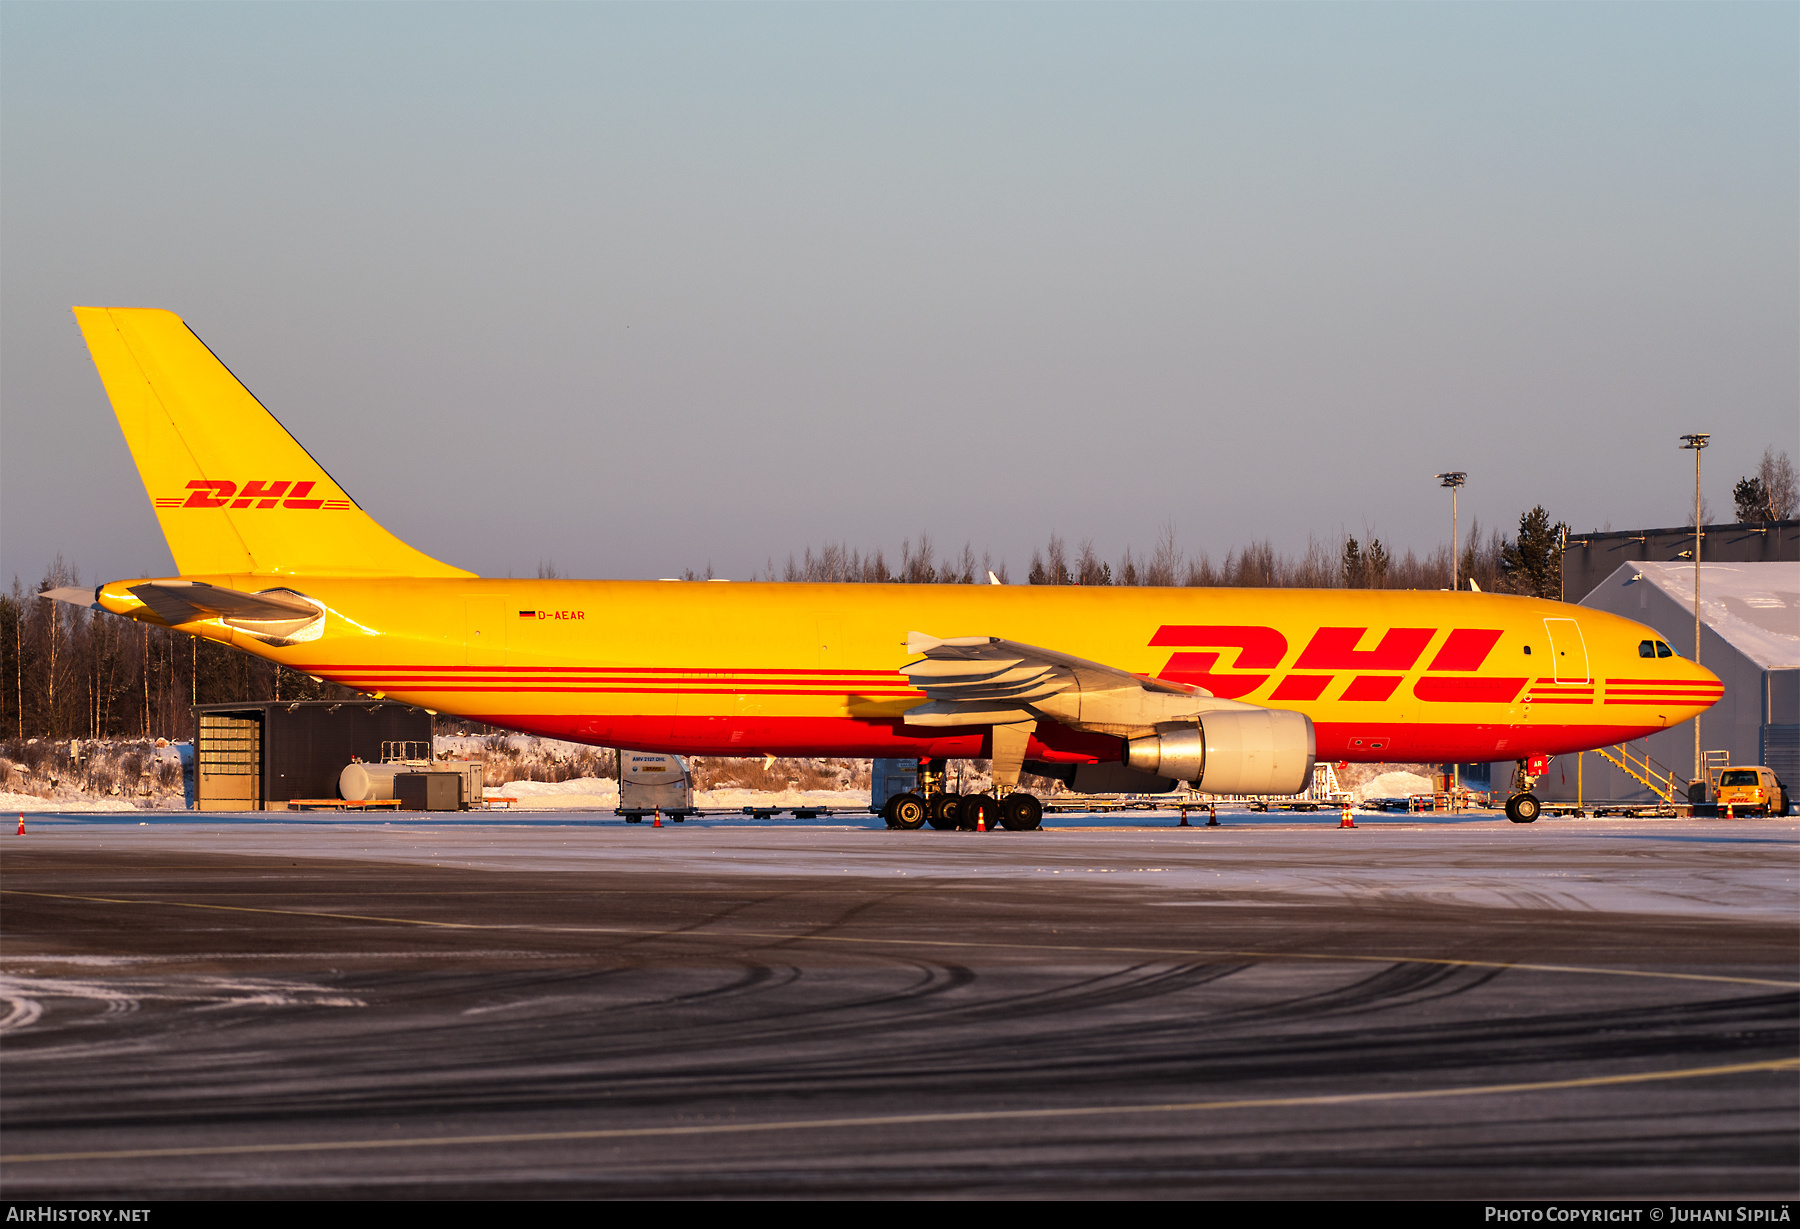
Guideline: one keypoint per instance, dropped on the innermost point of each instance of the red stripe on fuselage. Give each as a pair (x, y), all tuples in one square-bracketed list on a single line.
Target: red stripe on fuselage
[(750, 735)]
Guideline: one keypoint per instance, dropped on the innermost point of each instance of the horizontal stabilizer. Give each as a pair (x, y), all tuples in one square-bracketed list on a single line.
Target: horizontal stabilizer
[(182, 601), (74, 597)]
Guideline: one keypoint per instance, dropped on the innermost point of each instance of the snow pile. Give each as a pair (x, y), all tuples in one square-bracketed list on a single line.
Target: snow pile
[(31, 802), (1392, 785), (584, 793)]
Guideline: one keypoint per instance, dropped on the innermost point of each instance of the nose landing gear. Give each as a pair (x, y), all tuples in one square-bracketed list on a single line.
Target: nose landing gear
[(1523, 806)]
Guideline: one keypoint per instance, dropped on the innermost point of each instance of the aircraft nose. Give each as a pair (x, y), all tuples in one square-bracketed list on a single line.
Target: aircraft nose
[(1704, 688)]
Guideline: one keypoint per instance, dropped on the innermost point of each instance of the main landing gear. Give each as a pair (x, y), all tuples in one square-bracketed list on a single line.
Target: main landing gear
[(1523, 807), (947, 811)]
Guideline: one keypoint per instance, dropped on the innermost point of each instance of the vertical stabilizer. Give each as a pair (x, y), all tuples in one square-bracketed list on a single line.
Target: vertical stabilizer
[(233, 491)]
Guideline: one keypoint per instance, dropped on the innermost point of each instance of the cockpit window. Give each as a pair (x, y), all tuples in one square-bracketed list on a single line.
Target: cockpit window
[(1654, 648), (1663, 650)]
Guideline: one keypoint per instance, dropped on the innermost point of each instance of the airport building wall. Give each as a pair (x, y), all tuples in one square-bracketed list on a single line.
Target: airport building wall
[(1589, 558)]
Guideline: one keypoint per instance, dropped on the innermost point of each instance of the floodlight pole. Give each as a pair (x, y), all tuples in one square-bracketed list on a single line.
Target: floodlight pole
[(1697, 442), (1454, 480)]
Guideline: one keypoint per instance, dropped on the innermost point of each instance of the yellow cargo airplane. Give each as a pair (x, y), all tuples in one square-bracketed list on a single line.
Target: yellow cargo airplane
[(1236, 690)]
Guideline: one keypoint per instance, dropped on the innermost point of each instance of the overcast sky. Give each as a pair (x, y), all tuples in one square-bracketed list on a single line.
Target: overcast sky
[(634, 288)]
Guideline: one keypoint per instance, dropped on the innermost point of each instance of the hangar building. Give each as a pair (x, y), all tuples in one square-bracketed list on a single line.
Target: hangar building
[(1749, 637), (261, 755)]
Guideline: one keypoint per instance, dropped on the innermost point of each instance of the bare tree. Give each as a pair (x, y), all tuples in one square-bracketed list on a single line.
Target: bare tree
[(965, 568), (1165, 565), (1128, 570), (1779, 484), (1089, 570)]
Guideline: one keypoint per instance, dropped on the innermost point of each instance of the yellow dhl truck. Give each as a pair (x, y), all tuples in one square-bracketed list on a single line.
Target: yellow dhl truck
[(1751, 791)]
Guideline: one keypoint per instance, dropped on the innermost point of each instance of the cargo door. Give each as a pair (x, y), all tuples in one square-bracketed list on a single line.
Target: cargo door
[(1568, 651), (484, 640)]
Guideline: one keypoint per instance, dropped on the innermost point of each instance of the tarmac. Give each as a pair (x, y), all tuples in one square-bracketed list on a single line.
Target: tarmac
[(559, 1005)]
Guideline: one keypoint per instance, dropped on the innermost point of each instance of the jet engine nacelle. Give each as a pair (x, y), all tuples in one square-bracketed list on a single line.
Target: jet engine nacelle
[(1265, 751)]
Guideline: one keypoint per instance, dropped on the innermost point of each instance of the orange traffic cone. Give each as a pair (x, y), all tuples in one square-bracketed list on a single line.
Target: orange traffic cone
[(21, 823), (981, 820), (1730, 813), (1346, 821), (1212, 816), (657, 821)]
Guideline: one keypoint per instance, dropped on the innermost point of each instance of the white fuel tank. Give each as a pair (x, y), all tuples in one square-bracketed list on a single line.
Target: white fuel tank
[(363, 782)]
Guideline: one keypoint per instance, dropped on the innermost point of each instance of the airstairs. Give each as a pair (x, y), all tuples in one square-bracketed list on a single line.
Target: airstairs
[(1662, 781)]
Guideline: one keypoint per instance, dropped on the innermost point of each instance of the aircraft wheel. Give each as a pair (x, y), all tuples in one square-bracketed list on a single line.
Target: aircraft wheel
[(1523, 808), (979, 810), (943, 811), (907, 811), (1021, 813), (887, 812)]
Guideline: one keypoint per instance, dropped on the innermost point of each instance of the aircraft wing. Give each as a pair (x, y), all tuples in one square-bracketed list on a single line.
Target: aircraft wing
[(987, 680)]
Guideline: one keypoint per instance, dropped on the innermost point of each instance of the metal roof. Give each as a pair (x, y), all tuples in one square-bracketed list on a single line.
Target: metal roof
[(1754, 607)]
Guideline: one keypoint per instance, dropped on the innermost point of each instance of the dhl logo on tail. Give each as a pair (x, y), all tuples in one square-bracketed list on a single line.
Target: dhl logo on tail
[(223, 493)]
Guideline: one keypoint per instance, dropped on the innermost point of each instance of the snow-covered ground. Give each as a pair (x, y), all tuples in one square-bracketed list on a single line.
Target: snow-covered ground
[(598, 793)]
